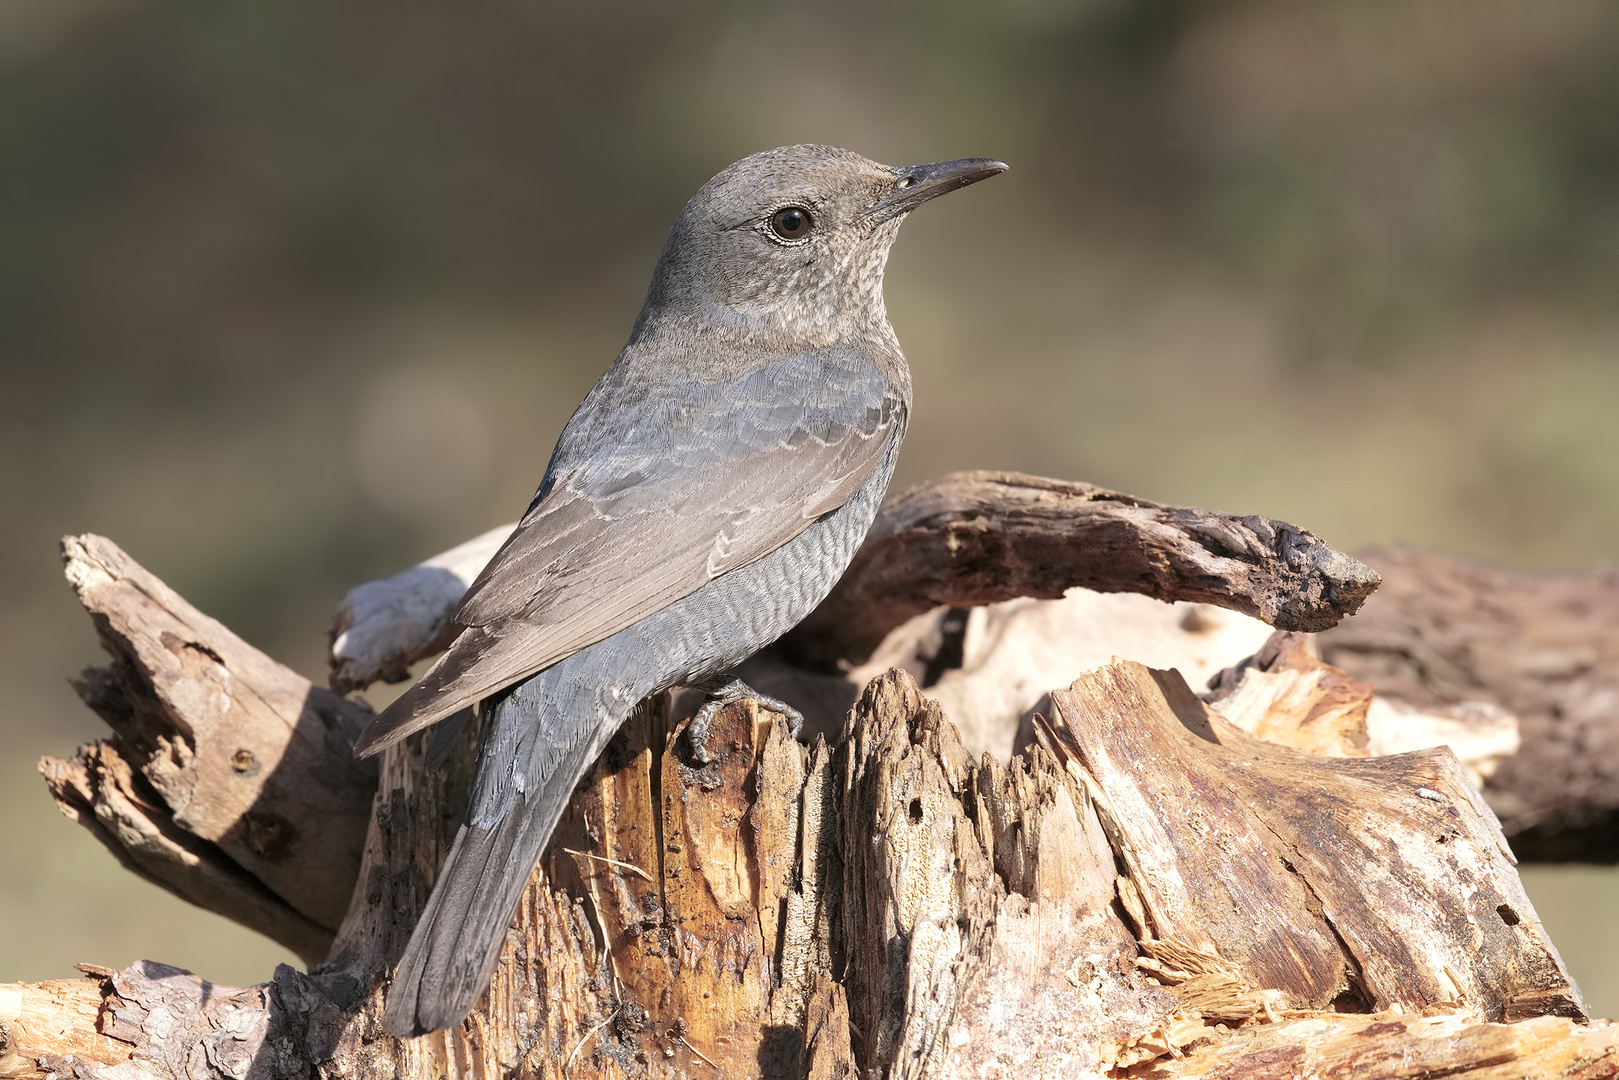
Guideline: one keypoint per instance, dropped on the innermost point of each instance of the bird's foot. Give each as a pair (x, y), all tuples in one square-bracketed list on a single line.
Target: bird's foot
[(727, 690)]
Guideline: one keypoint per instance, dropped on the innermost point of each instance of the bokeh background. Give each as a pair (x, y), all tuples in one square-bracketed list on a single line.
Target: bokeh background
[(295, 294)]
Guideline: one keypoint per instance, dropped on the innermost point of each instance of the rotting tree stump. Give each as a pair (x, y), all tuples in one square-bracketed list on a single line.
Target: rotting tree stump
[(1149, 890)]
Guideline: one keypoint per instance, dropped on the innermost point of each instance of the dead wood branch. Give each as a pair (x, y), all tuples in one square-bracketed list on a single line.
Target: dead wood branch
[(383, 627), (229, 777), (1445, 631), (1146, 891), (101, 791), (980, 537)]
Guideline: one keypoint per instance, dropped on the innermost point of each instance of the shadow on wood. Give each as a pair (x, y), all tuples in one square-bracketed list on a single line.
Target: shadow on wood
[(228, 779), (1148, 890)]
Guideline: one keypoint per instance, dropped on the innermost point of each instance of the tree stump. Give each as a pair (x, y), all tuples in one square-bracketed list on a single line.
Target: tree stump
[(1147, 890)]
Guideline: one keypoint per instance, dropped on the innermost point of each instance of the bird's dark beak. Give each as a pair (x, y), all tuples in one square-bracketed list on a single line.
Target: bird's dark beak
[(919, 183)]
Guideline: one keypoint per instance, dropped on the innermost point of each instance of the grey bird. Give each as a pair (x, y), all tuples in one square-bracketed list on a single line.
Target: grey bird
[(704, 498)]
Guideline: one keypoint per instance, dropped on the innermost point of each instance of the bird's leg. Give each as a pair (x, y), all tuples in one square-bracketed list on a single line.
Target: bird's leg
[(726, 689)]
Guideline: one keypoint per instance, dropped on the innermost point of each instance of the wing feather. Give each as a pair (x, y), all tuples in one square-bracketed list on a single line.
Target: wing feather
[(638, 525)]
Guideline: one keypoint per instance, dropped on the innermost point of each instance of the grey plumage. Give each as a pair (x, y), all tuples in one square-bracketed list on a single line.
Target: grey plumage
[(704, 498)]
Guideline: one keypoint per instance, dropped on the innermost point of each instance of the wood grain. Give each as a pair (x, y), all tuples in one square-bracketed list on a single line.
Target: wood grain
[(1241, 849), (216, 744), (1446, 630), (980, 537)]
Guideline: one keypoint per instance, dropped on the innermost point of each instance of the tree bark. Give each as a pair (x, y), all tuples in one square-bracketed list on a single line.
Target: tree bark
[(1445, 630), (890, 907), (1147, 890)]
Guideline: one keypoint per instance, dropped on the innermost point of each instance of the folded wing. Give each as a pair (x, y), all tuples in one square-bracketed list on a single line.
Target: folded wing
[(698, 481)]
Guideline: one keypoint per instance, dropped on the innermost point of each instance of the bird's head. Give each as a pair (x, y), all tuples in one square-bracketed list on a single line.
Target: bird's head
[(789, 245)]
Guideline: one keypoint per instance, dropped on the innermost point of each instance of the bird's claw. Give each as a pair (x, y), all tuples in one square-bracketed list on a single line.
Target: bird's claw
[(726, 693)]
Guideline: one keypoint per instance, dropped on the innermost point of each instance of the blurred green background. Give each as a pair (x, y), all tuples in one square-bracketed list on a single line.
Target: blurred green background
[(292, 295)]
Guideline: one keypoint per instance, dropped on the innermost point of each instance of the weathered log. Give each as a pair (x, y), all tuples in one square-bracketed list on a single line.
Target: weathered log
[(228, 777), (1444, 630), (965, 539), (976, 538), (1148, 890), (1431, 914), (890, 907)]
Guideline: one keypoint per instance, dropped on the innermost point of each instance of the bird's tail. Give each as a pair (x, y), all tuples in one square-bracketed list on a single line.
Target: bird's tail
[(451, 957)]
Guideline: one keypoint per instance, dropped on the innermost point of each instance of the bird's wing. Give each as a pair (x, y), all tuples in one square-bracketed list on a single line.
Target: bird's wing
[(695, 491)]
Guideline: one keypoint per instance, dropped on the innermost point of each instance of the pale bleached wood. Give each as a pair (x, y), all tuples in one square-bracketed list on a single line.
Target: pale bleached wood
[(1445, 632), (891, 906), (224, 748), (383, 627), (1285, 695), (1013, 653), (1393, 1046)]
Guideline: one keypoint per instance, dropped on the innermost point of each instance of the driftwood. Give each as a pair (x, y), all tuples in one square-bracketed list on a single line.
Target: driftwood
[(1146, 890), (1504, 667), (967, 539), (228, 779), (888, 906), (1443, 631), (976, 538)]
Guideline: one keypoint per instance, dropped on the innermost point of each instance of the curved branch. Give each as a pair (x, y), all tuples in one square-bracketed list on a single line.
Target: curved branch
[(975, 538)]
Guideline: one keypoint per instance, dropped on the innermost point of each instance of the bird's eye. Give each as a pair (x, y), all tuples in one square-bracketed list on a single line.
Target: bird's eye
[(791, 223)]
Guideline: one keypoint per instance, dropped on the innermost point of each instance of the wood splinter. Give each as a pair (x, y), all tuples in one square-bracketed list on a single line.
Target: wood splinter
[(1149, 891), (891, 905)]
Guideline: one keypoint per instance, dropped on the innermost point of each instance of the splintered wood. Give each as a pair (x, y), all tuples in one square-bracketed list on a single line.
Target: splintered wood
[(1149, 891), (228, 778), (1237, 849)]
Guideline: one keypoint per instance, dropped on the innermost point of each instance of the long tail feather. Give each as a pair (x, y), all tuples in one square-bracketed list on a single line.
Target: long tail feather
[(451, 956)]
